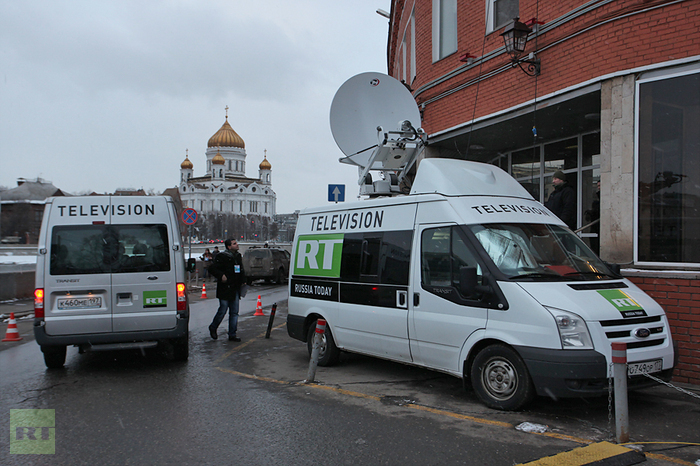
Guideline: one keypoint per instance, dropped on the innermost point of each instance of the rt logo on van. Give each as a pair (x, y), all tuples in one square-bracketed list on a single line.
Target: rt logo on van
[(623, 303), (319, 255), (155, 298)]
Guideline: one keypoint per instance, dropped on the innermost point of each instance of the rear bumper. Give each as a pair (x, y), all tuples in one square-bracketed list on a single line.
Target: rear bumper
[(567, 373), (44, 339)]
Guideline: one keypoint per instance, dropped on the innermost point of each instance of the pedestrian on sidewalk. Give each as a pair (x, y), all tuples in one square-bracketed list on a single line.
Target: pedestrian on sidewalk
[(227, 268)]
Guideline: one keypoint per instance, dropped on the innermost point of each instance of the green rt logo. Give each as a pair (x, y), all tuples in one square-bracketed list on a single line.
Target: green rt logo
[(32, 431)]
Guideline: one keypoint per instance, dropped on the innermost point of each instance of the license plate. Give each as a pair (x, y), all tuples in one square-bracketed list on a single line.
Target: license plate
[(94, 302), (646, 367)]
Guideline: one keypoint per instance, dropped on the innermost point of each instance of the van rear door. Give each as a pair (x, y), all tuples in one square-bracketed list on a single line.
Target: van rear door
[(143, 279), (77, 272)]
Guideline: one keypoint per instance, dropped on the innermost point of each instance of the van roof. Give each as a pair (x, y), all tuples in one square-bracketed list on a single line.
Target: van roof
[(451, 177)]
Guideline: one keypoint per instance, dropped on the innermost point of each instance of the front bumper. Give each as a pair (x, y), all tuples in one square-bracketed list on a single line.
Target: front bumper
[(571, 373)]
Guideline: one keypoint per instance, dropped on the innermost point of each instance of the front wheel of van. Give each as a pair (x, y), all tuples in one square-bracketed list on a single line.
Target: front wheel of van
[(54, 356), (329, 354), (500, 378)]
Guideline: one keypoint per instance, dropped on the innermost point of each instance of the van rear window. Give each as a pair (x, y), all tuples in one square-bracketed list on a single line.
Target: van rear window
[(91, 249)]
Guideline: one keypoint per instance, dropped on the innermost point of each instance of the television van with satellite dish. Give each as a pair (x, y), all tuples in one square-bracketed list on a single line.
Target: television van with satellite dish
[(110, 274), (467, 275)]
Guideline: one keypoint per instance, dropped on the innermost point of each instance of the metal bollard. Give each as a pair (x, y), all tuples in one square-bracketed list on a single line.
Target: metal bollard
[(313, 363), (619, 359), (272, 319)]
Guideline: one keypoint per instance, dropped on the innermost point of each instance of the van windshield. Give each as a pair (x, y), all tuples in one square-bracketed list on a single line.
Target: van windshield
[(539, 252)]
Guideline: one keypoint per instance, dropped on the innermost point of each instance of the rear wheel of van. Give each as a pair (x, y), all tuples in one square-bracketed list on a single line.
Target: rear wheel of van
[(54, 356), (329, 354), (500, 378)]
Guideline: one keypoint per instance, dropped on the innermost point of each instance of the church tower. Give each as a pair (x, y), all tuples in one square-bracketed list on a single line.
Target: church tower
[(265, 171)]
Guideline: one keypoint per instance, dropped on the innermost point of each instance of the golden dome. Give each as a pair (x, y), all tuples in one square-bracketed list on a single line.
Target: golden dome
[(226, 137), (187, 164), (265, 165), (218, 159)]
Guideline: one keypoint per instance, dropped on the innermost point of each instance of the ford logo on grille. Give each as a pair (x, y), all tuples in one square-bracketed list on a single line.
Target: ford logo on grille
[(642, 333)]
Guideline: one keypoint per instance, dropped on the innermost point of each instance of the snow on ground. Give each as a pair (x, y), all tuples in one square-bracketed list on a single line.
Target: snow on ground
[(17, 259)]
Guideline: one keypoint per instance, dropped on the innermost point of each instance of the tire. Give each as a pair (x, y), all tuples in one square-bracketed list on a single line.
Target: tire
[(500, 378), (329, 354), (54, 356), (279, 278), (181, 348)]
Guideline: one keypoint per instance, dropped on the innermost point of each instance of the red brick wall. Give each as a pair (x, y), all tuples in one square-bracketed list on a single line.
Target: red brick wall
[(680, 298), (621, 35)]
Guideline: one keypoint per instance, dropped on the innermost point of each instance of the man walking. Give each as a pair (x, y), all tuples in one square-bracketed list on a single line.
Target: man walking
[(227, 268)]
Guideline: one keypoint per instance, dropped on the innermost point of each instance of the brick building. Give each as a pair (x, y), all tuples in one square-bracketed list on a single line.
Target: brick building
[(616, 101)]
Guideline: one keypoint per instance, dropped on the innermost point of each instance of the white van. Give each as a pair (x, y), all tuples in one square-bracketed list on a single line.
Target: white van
[(470, 276), (110, 274)]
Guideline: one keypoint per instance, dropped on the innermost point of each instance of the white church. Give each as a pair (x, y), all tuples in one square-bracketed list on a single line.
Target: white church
[(225, 188)]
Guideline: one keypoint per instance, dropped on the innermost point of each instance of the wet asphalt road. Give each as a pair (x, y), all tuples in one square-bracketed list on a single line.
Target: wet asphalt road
[(243, 403)]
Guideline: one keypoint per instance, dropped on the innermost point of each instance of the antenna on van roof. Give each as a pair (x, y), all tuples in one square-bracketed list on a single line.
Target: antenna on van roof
[(373, 121)]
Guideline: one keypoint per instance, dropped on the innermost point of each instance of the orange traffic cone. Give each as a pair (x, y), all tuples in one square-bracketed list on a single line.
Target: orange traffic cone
[(258, 308), (204, 291), (12, 333)]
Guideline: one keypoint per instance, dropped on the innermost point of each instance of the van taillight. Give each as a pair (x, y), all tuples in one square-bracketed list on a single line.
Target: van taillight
[(181, 297), (39, 303)]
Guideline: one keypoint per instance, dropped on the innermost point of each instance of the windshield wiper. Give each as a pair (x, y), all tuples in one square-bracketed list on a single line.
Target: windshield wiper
[(597, 274), (538, 275)]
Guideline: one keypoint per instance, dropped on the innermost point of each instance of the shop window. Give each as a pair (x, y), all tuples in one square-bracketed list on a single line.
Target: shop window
[(668, 196)]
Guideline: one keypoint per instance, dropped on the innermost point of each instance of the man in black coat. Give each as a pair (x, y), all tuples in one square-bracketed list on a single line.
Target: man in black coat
[(562, 201), (227, 268)]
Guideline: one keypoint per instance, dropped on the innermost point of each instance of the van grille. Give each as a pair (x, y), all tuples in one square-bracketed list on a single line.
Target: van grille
[(620, 330)]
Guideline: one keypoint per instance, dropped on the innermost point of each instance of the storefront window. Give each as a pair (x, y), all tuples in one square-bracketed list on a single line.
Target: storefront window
[(668, 205)]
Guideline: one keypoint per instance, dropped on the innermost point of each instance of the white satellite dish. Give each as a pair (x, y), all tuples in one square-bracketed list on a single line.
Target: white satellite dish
[(363, 103), (375, 122)]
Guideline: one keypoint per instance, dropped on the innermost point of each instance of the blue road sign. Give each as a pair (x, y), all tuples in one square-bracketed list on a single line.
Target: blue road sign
[(189, 216), (336, 193)]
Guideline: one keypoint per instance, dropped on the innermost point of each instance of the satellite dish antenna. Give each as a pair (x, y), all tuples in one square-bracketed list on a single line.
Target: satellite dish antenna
[(373, 120)]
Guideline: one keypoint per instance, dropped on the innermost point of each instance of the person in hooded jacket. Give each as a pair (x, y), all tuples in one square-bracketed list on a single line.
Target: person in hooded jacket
[(227, 268), (562, 201)]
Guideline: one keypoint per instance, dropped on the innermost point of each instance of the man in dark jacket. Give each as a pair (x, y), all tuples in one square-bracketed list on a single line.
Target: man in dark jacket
[(562, 201), (227, 268)]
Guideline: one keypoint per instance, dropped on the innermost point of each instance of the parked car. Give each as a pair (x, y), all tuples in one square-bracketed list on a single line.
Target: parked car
[(272, 264)]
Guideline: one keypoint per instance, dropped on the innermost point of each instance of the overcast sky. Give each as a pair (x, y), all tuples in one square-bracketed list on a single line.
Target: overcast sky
[(103, 94)]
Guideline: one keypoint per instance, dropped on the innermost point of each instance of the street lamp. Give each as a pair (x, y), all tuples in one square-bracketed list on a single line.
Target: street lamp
[(515, 39)]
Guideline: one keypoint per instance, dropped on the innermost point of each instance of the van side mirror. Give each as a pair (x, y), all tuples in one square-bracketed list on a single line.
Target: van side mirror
[(191, 264), (469, 283), (614, 268)]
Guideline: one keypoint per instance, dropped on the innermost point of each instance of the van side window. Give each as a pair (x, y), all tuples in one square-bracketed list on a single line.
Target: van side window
[(377, 257), (435, 257), (444, 251), (395, 257)]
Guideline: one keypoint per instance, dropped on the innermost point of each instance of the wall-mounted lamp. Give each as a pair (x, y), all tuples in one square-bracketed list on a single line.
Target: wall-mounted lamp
[(515, 39), (467, 58)]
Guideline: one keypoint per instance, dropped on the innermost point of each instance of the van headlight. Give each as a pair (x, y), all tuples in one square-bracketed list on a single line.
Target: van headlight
[(573, 331)]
